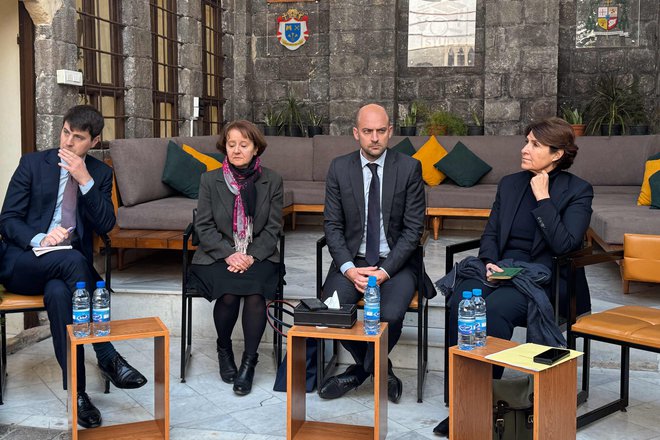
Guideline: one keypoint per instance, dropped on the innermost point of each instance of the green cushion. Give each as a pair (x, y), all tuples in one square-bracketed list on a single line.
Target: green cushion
[(463, 166), (182, 171), (405, 147), (654, 181)]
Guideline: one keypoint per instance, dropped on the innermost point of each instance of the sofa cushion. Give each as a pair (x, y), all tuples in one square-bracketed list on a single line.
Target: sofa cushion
[(616, 214), (654, 182), (306, 193), (405, 147), (449, 195), (290, 157), (651, 167), (169, 213), (138, 165), (463, 166), (327, 148), (212, 161), (203, 144), (429, 154), (182, 171)]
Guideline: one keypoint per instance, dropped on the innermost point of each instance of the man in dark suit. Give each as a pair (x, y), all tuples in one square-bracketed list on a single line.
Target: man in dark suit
[(374, 219), (56, 197)]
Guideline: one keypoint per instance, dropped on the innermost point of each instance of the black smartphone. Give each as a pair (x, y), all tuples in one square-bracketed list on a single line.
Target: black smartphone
[(314, 304), (551, 356)]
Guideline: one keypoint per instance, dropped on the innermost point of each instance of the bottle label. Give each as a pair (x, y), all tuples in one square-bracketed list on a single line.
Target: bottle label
[(81, 316), (465, 326), (101, 315), (480, 324), (372, 312)]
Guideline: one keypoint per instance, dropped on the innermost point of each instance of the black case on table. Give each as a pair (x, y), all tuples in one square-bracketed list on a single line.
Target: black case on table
[(344, 317)]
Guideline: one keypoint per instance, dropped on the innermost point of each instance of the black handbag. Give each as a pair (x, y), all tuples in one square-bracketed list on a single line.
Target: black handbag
[(311, 348), (513, 409)]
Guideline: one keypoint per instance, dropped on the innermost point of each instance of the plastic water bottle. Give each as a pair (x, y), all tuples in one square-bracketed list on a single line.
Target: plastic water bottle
[(372, 307), (101, 310), (479, 304), (80, 311), (466, 322)]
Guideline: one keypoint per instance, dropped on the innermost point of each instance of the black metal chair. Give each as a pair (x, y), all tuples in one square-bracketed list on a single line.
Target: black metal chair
[(419, 305), (188, 293), (14, 303), (563, 320)]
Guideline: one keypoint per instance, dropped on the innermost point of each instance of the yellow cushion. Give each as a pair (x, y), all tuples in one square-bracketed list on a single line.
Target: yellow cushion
[(211, 163), (652, 167), (429, 154)]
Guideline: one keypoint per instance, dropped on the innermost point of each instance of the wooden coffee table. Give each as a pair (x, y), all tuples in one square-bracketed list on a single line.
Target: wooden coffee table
[(297, 427), (156, 429)]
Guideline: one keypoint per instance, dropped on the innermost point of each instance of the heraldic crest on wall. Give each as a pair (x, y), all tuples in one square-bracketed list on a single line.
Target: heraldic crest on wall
[(292, 29)]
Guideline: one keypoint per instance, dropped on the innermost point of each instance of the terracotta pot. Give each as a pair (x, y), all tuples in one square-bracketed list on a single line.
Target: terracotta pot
[(436, 130), (578, 129)]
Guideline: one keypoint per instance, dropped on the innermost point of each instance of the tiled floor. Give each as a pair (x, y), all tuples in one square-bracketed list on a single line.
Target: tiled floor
[(205, 407)]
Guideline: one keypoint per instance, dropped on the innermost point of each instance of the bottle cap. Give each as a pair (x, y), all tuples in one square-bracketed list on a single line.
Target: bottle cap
[(467, 294), (80, 285), (372, 281), (476, 292), (100, 284)]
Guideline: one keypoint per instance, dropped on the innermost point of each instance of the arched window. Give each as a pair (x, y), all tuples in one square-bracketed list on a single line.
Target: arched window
[(471, 57), (450, 57), (461, 57)]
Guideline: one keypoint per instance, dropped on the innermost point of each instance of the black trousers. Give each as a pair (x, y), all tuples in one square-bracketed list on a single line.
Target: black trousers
[(395, 296), (55, 275), (506, 308)]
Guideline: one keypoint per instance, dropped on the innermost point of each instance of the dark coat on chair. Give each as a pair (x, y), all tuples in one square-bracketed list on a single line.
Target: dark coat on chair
[(214, 226), (562, 224), (30, 204)]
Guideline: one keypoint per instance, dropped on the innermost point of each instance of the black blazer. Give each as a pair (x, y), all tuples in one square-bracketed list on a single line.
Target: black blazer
[(403, 207), (30, 204), (561, 224)]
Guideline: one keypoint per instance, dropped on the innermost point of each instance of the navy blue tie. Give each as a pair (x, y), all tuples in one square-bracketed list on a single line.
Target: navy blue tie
[(372, 253)]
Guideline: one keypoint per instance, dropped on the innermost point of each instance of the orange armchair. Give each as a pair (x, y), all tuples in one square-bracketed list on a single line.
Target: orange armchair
[(641, 259)]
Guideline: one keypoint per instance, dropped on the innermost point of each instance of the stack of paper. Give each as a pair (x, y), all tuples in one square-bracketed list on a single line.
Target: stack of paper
[(39, 251)]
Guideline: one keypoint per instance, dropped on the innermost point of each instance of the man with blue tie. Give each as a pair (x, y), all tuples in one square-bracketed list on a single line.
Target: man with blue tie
[(374, 218), (56, 197)]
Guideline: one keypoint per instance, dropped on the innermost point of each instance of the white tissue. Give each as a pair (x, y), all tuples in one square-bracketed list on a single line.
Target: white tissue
[(333, 301)]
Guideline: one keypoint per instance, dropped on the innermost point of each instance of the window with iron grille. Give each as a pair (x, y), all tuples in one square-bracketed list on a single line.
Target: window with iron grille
[(101, 60), (212, 66), (165, 68)]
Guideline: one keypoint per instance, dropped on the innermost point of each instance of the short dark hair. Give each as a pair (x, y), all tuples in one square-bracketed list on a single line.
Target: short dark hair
[(558, 135), (247, 129), (85, 118)]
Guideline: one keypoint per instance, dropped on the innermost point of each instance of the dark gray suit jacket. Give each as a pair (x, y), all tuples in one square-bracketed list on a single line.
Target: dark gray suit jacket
[(403, 206), (215, 212)]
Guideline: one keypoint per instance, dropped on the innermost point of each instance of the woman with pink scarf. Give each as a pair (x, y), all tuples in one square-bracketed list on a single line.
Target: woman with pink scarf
[(239, 217)]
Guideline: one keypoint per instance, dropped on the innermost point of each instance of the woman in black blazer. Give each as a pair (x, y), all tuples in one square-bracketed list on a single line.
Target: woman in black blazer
[(239, 218), (540, 212)]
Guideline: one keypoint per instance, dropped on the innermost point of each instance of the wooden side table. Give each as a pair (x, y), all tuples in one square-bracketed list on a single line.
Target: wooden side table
[(471, 395), (297, 427), (121, 330)]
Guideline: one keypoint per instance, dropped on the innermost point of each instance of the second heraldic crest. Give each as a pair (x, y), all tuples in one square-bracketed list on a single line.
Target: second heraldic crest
[(292, 30)]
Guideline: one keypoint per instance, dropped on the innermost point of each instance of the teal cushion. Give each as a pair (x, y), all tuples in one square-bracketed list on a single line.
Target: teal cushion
[(463, 166), (405, 147), (182, 171), (654, 181)]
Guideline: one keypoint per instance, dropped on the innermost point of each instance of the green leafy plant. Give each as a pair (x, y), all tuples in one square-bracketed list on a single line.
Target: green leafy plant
[(612, 104), (314, 119), (572, 115), (442, 122), (409, 118), (292, 111), (272, 117), (474, 115)]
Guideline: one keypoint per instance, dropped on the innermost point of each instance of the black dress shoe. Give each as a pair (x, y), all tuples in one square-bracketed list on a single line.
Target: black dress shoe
[(339, 385), (227, 364), (394, 387), (88, 415), (121, 374), (442, 428), (245, 375)]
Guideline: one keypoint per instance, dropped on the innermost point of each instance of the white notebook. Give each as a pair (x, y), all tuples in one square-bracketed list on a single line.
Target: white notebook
[(39, 251)]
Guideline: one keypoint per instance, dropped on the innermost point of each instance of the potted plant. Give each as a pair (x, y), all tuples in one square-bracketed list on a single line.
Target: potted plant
[(408, 120), (638, 124), (574, 117), (314, 123), (272, 122), (292, 116), (442, 122), (610, 107), (475, 127)]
